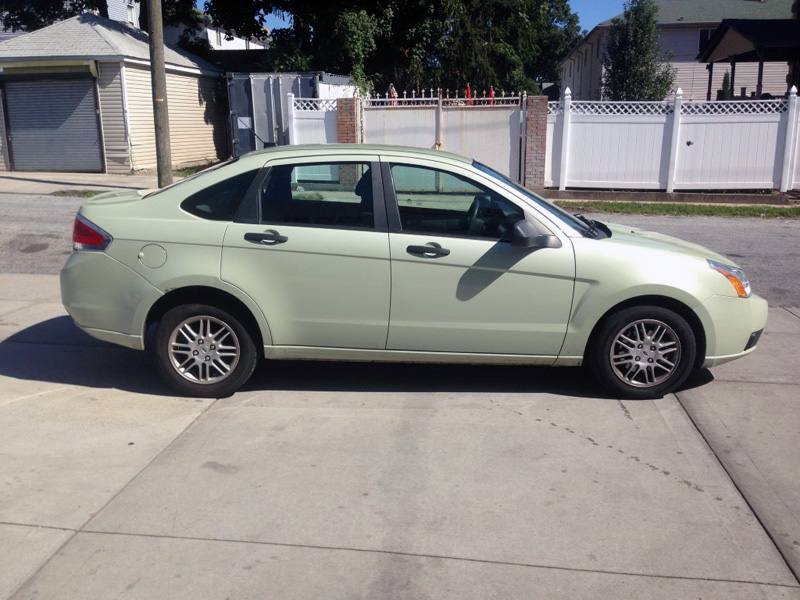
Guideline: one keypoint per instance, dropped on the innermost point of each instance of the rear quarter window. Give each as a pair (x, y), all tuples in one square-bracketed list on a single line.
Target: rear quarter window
[(220, 201)]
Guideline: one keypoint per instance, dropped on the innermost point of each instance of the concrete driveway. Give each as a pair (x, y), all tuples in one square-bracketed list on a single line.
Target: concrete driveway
[(360, 481)]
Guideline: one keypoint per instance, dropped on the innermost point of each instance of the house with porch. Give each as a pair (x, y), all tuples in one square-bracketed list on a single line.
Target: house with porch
[(686, 28)]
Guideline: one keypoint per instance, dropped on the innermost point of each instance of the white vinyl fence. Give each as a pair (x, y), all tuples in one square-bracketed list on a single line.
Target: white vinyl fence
[(673, 145), (488, 130), (312, 120), (751, 144)]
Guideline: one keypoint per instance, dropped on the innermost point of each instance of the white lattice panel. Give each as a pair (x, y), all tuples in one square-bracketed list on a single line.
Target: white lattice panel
[(555, 108), (747, 107), (316, 104), (621, 108)]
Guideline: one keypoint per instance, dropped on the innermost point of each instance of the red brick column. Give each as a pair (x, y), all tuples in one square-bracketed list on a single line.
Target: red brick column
[(535, 142), (348, 125)]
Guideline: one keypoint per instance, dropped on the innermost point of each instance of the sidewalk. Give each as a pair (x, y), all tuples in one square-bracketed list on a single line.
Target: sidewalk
[(47, 183), (348, 481)]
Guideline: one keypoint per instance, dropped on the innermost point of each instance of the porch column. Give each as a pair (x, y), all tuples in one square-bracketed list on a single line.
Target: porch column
[(710, 68)]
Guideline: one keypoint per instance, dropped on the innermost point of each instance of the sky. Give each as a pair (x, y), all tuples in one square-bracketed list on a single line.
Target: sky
[(591, 12)]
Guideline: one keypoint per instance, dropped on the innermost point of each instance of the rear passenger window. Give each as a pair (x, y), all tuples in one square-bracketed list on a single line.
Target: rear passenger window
[(323, 194), (219, 202)]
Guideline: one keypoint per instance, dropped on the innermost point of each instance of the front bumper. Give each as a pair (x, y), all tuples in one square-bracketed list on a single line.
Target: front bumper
[(730, 325), (106, 299)]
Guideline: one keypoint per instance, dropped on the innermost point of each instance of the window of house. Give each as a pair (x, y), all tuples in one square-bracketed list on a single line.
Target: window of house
[(336, 194), (705, 39), (431, 201)]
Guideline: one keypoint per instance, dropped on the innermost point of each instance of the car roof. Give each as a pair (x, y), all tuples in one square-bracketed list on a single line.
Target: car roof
[(306, 150)]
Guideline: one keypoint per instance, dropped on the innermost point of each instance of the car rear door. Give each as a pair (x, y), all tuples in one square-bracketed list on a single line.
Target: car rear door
[(316, 256)]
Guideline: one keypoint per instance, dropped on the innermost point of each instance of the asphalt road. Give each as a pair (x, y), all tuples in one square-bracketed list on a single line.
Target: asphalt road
[(37, 230)]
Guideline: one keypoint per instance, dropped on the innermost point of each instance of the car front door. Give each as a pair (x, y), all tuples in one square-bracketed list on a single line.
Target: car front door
[(315, 256), (458, 284)]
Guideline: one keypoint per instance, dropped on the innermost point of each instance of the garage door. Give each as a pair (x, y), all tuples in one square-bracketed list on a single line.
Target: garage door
[(53, 125)]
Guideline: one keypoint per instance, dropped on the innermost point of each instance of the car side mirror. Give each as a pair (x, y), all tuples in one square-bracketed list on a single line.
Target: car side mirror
[(526, 235)]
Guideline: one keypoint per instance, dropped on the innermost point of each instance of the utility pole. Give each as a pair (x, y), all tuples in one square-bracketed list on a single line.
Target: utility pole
[(159, 83)]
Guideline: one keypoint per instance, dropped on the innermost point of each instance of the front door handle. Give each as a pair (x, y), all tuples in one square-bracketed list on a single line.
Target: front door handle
[(428, 251), (268, 238)]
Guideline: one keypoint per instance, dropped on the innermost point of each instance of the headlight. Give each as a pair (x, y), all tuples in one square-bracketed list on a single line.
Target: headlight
[(735, 275)]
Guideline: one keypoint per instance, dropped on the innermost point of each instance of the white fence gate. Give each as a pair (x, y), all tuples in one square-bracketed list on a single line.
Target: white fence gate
[(673, 146), (489, 130), (312, 120)]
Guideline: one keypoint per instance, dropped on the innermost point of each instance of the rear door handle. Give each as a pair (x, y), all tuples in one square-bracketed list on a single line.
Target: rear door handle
[(428, 251), (268, 238)]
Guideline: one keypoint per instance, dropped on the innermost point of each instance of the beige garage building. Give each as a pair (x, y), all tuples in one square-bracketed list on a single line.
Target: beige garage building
[(76, 96)]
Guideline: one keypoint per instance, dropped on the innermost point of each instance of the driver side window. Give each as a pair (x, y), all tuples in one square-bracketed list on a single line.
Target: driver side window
[(439, 202)]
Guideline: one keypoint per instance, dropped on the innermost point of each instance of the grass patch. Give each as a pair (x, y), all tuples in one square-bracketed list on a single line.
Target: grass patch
[(78, 193), (705, 210)]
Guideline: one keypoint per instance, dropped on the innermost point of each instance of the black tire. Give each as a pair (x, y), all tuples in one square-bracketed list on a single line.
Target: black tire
[(203, 351), (642, 352)]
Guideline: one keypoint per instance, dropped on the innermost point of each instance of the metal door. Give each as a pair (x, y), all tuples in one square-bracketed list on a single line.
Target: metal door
[(53, 125)]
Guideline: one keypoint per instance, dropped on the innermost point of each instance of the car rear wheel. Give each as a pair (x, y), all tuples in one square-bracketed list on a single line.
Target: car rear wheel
[(643, 352), (203, 351)]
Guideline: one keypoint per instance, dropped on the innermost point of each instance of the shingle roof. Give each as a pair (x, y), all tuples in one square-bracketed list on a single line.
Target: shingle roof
[(89, 37), (714, 11)]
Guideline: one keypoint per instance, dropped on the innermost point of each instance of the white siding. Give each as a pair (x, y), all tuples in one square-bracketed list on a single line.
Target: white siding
[(196, 122), (115, 141), (583, 74)]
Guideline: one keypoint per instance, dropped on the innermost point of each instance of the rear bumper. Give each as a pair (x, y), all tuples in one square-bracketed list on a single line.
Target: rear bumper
[(106, 299), (730, 325)]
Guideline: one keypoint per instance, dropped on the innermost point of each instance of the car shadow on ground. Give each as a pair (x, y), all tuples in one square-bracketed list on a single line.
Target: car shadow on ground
[(57, 351)]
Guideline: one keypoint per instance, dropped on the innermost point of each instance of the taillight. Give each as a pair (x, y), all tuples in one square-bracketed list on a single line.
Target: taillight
[(88, 236)]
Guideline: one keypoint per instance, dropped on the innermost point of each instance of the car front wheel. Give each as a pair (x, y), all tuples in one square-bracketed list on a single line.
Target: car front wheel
[(643, 352), (203, 351)]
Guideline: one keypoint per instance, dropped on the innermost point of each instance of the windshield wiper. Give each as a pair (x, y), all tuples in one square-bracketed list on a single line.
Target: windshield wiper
[(593, 230)]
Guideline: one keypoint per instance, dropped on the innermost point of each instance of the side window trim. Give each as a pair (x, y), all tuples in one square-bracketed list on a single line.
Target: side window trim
[(390, 199), (249, 208)]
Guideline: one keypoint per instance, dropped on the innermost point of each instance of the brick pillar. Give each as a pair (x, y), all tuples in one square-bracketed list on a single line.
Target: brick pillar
[(535, 142), (348, 126)]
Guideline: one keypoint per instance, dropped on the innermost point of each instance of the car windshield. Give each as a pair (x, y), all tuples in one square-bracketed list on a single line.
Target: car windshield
[(546, 205)]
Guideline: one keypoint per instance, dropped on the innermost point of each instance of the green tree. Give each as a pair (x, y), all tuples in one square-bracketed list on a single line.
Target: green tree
[(515, 44), (415, 44), (635, 67), (726, 93), (28, 15)]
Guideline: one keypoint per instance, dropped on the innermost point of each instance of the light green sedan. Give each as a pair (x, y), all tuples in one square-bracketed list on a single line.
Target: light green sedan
[(380, 253)]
